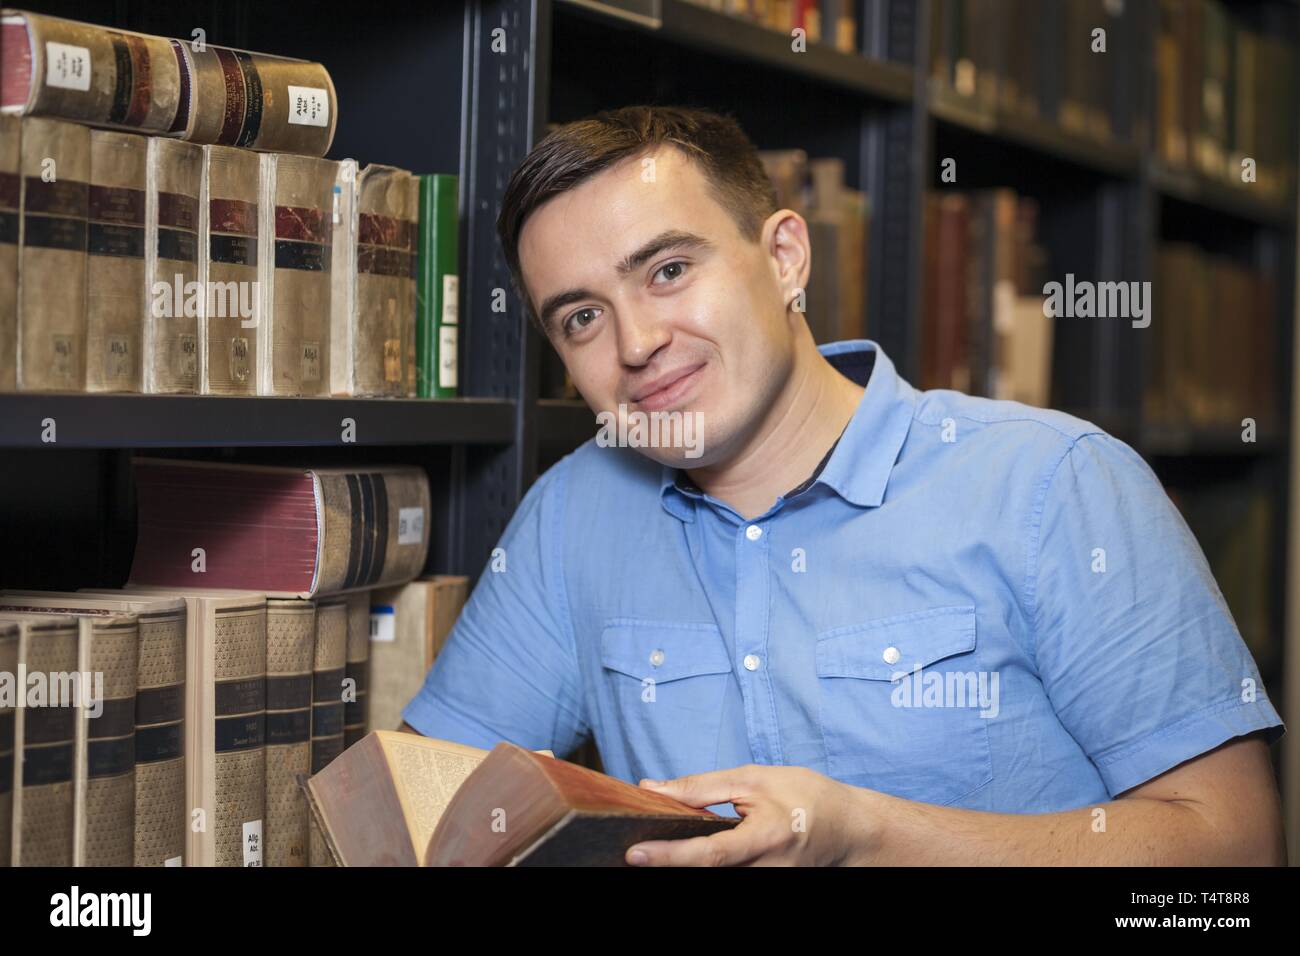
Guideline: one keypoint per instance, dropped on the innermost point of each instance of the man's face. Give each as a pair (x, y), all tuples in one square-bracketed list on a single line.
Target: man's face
[(696, 322)]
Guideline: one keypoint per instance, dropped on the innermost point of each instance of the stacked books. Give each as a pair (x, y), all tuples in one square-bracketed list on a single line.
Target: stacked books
[(168, 226), (834, 22)]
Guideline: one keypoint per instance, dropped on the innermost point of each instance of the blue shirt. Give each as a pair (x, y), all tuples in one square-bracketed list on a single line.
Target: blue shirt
[(975, 603)]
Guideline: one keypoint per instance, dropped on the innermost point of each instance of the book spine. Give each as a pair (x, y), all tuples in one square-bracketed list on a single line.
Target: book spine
[(230, 252), (8, 716), (107, 836), (343, 280), (384, 332), (356, 706), (115, 266), (296, 202), (290, 653), (174, 298), (54, 201), (255, 101), (327, 706), (437, 288), (236, 805), (10, 182), (160, 812), (376, 528), (88, 74)]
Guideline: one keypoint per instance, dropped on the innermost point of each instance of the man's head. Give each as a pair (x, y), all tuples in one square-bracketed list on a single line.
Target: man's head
[(647, 245)]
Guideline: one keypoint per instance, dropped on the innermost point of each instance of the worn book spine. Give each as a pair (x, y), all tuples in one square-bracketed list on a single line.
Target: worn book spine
[(230, 249), (296, 202), (171, 325), (10, 156), (254, 101), (437, 288), (343, 280), (356, 705), (8, 714), (290, 655), (45, 743), (376, 527), (88, 74), (52, 256), (161, 820), (327, 707), (115, 286), (106, 759)]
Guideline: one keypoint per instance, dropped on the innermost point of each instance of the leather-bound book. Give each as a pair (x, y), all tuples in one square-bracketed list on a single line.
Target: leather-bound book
[(171, 260), (229, 251), (88, 74), (161, 819), (288, 532), (115, 266), (327, 705), (374, 314), (8, 713), (45, 747), (52, 256), (254, 101), (295, 201), (356, 705), (10, 137), (290, 651)]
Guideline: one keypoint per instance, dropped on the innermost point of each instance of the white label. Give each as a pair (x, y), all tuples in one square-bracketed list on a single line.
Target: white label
[(172, 861), (447, 356), (383, 623), (410, 525), (308, 106), (253, 843), (450, 299), (338, 191), (67, 66)]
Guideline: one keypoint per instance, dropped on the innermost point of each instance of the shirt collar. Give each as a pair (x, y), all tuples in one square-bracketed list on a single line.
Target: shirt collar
[(861, 463)]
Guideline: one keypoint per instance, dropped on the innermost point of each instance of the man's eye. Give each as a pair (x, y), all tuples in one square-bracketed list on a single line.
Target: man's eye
[(575, 324), (672, 270)]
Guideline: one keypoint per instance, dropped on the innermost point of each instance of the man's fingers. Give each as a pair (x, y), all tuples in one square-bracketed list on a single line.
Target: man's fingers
[(726, 848), (704, 789)]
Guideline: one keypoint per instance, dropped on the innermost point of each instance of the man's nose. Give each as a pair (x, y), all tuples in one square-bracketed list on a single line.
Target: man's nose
[(641, 333)]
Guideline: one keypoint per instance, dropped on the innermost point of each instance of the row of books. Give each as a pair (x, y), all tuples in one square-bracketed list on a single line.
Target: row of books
[(1224, 93), (1213, 345), (984, 329), (834, 22)]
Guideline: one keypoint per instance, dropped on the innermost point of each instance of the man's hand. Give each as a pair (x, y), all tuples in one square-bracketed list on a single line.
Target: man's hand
[(792, 817)]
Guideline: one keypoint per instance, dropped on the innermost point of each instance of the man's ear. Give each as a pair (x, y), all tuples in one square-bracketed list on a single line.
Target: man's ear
[(791, 253)]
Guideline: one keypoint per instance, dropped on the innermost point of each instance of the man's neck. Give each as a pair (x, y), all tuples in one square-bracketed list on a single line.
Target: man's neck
[(805, 420)]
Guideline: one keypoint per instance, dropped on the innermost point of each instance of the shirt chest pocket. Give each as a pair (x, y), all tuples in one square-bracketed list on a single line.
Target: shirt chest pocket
[(664, 685), (900, 704)]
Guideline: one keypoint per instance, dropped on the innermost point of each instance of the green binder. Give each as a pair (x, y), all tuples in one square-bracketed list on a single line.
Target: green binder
[(437, 294)]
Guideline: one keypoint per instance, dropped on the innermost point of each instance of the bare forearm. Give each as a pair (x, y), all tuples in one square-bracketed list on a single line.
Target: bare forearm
[(1128, 832)]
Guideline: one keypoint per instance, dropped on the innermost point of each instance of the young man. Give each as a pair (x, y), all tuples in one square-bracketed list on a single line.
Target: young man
[(887, 626)]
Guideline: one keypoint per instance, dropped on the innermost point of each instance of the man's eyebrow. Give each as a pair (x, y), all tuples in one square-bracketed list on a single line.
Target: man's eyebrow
[(669, 239)]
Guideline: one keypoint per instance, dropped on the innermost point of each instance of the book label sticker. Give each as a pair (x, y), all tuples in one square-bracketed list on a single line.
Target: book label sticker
[(67, 66), (447, 356), (309, 106), (186, 353), (172, 861), (253, 843), (392, 360), (383, 623), (239, 369), (61, 367), (310, 361), (450, 299), (117, 358), (410, 525)]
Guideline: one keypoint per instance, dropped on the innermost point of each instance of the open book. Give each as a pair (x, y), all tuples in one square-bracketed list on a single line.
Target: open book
[(400, 799)]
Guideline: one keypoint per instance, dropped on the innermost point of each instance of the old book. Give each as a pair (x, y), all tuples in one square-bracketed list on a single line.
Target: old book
[(289, 532), (327, 701), (171, 261), (409, 625), (225, 723), (10, 155), (160, 812), (89, 74), (254, 101), (8, 713), (115, 266), (52, 256), (400, 799), (229, 253), (437, 288), (290, 651), (45, 746), (295, 200), (356, 706), (374, 319)]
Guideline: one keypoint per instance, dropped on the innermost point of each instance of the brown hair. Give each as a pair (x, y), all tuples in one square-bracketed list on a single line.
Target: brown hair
[(574, 152)]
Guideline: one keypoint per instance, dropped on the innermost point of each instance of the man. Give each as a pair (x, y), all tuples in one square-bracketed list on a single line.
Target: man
[(885, 626)]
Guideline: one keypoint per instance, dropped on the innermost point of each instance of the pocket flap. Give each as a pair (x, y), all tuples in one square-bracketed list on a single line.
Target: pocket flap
[(663, 650), (879, 649)]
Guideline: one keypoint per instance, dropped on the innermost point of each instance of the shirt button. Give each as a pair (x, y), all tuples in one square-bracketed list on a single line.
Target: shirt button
[(751, 662), (656, 658), (753, 532), (891, 655)]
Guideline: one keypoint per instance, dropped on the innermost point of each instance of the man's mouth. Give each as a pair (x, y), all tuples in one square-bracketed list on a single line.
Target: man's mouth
[(669, 388)]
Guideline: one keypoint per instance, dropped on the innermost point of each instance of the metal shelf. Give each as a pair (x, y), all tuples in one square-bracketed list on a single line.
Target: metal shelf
[(563, 421), (1240, 202)]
